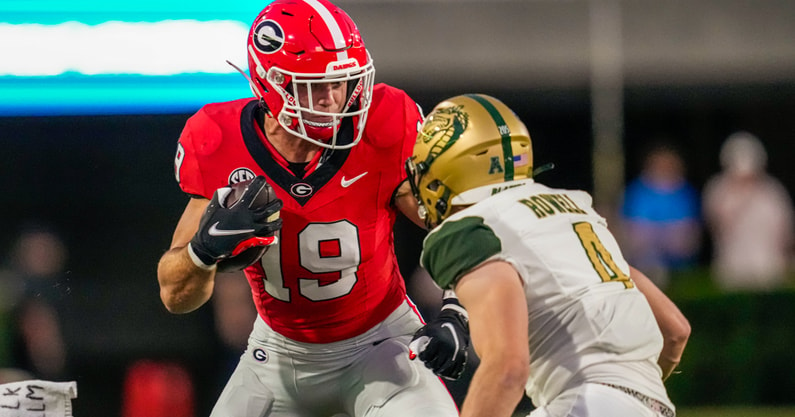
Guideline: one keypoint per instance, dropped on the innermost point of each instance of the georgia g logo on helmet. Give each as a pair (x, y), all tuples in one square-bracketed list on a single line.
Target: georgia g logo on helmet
[(268, 37)]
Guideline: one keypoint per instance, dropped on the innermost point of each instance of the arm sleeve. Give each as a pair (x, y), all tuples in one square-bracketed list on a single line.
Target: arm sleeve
[(392, 126)]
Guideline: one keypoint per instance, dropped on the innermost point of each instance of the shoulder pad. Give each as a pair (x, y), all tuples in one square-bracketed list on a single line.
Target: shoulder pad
[(203, 129), (392, 116)]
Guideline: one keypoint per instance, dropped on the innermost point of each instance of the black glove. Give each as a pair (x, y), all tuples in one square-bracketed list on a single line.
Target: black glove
[(442, 344), (228, 228)]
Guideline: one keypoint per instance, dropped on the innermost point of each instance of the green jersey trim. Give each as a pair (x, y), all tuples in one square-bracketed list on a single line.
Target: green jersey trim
[(457, 247)]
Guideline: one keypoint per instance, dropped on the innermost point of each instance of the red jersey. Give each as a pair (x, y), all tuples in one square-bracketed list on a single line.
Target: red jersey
[(333, 274)]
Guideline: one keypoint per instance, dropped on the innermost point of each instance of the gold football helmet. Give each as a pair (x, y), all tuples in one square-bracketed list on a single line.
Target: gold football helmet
[(469, 147)]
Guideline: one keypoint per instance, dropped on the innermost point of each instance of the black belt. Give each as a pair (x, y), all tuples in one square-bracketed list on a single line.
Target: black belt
[(653, 404)]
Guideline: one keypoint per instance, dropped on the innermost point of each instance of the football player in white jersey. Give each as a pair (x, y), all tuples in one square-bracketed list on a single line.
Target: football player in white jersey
[(554, 309)]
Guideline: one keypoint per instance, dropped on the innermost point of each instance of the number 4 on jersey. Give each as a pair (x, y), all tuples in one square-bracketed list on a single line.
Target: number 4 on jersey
[(600, 257)]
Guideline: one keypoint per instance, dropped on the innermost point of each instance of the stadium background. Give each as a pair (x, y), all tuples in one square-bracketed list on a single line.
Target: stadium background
[(692, 71)]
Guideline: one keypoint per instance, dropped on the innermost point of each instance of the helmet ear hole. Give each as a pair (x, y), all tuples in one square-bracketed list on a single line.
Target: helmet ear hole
[(434, 185), (262, 86), (441, 207)]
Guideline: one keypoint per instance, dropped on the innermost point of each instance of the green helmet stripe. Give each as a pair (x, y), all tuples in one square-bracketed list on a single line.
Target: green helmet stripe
[(505, 133)]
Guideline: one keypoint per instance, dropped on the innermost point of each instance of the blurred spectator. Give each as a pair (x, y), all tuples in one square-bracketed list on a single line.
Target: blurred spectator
[(660, 216), (749, 215), (34, 286)]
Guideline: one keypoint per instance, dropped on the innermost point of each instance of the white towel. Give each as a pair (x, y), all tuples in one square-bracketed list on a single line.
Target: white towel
[(37, 398)]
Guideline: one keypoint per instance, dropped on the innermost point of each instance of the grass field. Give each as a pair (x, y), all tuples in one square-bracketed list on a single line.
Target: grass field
[(736, 412), (726, 412)]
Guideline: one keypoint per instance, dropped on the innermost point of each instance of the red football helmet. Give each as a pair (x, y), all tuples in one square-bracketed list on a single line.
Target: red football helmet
[(295, 44)]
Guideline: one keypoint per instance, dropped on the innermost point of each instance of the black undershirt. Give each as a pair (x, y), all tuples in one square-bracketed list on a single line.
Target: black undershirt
[(297, 168)]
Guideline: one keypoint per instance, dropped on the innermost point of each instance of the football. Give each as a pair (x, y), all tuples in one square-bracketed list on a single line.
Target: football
[(251, 255)]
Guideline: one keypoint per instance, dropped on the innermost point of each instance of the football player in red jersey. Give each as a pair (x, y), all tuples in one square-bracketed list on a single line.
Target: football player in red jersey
[(334, 322)]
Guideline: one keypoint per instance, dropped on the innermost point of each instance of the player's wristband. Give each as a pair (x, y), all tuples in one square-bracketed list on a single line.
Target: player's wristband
[(198, 261), (450, 302)]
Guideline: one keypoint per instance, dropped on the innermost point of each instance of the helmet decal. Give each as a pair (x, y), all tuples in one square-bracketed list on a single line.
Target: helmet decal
[(495, 166), (268, 37), (451, 122), (520, 160)]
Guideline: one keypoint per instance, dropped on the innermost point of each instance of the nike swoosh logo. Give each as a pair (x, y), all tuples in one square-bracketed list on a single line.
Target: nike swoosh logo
[(449, 327), (346, 183), (215, 231)]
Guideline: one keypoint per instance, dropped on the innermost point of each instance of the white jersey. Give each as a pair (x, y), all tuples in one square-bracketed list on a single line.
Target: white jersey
[(587, 320)]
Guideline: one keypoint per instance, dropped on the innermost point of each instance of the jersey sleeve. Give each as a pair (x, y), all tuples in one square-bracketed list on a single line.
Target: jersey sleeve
[(186, 166), (411, 127), (457, 247), (392, 126), (413, 118), (200, 136)]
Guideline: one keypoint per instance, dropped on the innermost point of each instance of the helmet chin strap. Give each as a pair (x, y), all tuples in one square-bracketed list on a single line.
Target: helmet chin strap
[(543, 168), (357, 90), (304, 129)]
